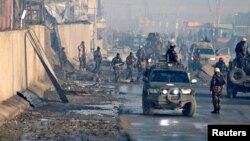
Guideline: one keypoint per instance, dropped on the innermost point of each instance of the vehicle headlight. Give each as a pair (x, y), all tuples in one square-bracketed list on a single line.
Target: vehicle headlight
[(174, 94), (186, 91), (212, 59), (164, 91), (153, 91), (192, 58)]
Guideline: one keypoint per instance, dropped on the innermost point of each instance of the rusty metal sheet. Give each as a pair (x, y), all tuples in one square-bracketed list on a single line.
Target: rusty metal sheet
[(6, 14)]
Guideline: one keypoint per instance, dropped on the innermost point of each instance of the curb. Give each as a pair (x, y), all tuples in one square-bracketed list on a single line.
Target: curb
[(12, 107)]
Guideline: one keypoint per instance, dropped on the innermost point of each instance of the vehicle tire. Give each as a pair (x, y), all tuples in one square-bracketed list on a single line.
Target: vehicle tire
[(189, 109), (237, 76)]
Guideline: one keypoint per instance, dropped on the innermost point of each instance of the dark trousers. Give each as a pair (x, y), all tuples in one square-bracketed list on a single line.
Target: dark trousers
[(130, 72), (117, 74), (82, 62), (97, 67)]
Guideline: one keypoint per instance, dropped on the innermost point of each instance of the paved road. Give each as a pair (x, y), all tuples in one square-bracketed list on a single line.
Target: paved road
[(171, 125)]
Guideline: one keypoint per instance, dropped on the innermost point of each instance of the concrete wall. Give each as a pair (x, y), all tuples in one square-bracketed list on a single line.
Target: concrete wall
[(17, 74), (71, 35)]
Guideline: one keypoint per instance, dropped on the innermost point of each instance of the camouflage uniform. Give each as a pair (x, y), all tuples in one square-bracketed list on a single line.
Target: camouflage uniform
[(216, 89), (130, 61), (241, 53), (117, 66)]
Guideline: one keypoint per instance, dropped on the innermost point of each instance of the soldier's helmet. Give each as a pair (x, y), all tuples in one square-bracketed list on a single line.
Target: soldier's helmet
[(117, 54), (217, 70), (172, 42), (244, 39)]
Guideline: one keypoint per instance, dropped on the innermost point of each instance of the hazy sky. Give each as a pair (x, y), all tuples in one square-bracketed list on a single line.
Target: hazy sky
[(120, 13)]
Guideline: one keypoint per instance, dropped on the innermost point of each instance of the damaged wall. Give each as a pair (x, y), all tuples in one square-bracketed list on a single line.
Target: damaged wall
[(71, 35), (14, 76)]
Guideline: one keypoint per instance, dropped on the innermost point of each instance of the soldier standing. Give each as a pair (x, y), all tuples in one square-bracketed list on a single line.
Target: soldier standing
[(171, 55), (241, 51), (117, 66), (98, 60), (82, 55), (131, 62), (216, 88), (222, 66)]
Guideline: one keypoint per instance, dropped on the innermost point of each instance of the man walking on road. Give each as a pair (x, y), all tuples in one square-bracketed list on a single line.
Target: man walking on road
[(131, 64), (216, 88), (117, 66)]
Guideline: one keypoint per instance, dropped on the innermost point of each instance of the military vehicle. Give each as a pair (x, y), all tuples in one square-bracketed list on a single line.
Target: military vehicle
[(168, 86), (238, 80)]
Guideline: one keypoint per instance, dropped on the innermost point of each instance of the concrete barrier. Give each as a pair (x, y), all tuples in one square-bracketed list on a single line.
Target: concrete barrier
[(71, 35), (20, 66)]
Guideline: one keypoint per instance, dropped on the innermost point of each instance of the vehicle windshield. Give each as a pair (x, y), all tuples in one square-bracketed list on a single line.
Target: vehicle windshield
[(206, 51), (169, 76)]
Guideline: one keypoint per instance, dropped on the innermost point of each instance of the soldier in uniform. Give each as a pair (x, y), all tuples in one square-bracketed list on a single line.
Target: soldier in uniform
[(141, 69), (171, 55), (222, 66), (216, 87), (82, 55), (98, 60), (241, 51), (131, 64), (117, 66)]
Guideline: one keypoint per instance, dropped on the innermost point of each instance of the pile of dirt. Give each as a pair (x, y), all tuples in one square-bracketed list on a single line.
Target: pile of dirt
[(87, 116)]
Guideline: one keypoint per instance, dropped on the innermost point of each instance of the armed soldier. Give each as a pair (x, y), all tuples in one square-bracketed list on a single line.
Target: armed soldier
[(117, 66), (216, 87), (131, 64), (241, 51), (171, 55), (98, 60)]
